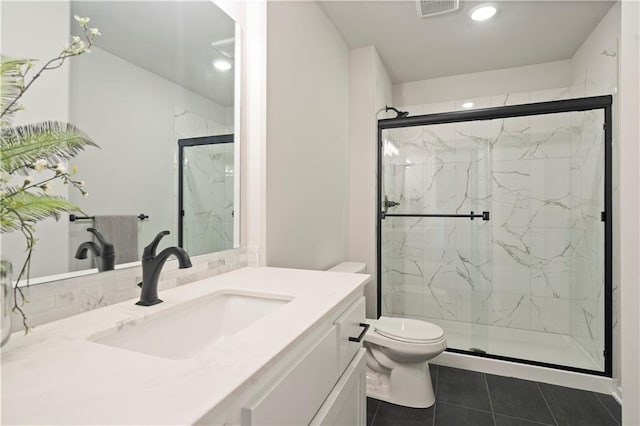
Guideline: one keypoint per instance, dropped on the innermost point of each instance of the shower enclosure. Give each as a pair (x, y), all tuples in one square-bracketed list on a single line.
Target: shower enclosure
[(205, 194), (496, 225)]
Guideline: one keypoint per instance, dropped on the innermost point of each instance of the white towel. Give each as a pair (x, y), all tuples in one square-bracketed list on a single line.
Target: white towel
[(122, 232)]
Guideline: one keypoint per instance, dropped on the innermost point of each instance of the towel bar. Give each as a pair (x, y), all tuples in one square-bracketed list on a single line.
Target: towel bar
[(73, 217)]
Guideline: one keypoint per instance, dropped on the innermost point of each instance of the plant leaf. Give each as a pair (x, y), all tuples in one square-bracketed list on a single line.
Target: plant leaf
[(11, 83), (28, 207), (54, 141)]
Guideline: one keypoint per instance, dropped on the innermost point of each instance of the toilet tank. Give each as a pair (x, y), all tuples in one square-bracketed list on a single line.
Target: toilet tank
[(350, 267)]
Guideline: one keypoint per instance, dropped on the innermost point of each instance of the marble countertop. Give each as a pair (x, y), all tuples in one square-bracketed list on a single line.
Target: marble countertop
[(55, 375)]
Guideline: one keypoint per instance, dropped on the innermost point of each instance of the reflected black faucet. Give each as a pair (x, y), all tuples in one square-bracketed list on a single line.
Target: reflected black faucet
[(105, 254), (152, 265)]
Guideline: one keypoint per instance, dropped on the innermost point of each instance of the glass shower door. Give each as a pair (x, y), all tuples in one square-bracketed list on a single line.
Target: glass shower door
[(531, 282), (435, 238)]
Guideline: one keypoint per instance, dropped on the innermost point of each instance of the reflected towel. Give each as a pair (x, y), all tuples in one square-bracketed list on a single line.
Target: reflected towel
[(122, 232)]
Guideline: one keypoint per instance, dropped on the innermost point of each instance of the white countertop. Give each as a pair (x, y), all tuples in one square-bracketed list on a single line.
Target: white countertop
[(54, 375)]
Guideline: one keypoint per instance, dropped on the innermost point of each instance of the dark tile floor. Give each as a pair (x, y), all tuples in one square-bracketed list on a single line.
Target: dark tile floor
[(477, 399)]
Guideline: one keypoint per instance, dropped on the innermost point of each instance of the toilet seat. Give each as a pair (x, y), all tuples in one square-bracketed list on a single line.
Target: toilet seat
[(408, 330)]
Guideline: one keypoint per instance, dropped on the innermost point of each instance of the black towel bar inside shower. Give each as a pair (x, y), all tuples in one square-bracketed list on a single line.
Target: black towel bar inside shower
[(472, 215), (73, 217)]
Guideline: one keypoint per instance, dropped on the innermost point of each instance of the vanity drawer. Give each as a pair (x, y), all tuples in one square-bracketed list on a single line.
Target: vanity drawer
[(346, 404), (295, 399), (348, 325)]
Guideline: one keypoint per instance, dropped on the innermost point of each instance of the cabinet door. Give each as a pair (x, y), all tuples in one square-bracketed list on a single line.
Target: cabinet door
[(296, 397), (346, 404), (348, 325)]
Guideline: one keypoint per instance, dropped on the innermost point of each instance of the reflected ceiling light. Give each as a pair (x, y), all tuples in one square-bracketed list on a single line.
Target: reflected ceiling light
[(483, 12), (221, 64), (467, 105)]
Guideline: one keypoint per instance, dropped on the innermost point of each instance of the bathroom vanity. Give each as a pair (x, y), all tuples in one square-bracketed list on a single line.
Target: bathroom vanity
[(252, 346)]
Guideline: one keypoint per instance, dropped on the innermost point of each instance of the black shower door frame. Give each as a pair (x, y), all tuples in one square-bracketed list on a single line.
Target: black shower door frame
[(539, 108)]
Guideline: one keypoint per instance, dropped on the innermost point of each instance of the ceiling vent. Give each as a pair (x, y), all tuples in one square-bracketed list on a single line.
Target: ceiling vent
[(427, 8)]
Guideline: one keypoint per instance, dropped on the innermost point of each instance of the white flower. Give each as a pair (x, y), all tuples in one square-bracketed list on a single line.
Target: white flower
[(46, 188), (40, 165), (60, 168), (75, 39), (28, 179), (80, 182), (80, 20), (94, 32), (85, 194)]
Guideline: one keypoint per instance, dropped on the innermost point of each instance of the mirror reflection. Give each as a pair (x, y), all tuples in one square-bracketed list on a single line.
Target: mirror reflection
[(156, 93)]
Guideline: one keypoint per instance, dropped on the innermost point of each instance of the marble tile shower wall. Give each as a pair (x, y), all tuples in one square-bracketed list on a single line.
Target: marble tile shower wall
[(60, 299), (538, 264), (593, 77)]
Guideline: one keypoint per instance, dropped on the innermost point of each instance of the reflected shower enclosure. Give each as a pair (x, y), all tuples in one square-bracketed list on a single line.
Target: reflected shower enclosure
[(495, 224), (205, 194)]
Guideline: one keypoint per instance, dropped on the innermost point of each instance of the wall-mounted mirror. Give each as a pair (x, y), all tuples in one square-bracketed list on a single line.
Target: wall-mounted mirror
[(159, 73)]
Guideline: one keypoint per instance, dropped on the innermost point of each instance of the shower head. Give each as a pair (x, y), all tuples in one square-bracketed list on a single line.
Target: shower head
[(400, 114)]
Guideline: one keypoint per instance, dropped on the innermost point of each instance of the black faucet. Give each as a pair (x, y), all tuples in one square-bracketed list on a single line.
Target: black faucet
[(152, 265), (105, 254)]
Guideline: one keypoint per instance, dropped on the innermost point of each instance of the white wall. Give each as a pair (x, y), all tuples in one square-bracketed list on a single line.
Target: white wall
[(530, 78), (369, 90), (630, 209), (308, 130), (39, 30)]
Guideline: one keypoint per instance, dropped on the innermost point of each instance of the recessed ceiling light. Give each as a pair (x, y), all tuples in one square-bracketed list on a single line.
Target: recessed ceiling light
[(467, 105), (483, 12), (222, 65)]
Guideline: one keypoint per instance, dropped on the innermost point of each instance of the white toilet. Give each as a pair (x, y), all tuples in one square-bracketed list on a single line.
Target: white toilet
[(397, 353)]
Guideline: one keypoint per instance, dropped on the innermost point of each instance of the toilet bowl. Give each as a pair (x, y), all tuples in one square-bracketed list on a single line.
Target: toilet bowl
[(397, 353)]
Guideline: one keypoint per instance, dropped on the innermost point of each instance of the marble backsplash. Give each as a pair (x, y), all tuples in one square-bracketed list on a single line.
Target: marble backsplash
[(55, 300), (539, 263)]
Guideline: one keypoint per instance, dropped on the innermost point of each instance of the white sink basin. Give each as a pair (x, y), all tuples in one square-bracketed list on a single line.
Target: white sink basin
[(183, 331)]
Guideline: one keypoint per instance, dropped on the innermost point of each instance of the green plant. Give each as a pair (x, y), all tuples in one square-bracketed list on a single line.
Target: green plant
[(40, 148)]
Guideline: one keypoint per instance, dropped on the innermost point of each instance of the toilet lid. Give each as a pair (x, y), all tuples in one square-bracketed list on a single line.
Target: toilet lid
[(408, 330)]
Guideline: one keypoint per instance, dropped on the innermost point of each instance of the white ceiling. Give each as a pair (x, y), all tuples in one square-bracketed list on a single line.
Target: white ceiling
[(414, 48), (169, 38)]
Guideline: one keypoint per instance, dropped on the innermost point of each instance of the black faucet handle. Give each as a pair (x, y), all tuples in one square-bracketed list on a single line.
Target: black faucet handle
[(150, 251), (107, 247)]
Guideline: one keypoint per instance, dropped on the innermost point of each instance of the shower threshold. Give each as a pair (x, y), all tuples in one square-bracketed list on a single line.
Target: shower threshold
[(527, 345)]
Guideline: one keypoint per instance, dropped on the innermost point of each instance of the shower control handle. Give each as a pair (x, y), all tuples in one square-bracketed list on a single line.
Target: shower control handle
[(358, 339), (388, 204)]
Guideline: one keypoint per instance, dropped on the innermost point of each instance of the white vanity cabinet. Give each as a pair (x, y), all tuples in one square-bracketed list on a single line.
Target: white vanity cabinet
[(319, 381), (294, 365), (346, 404)]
